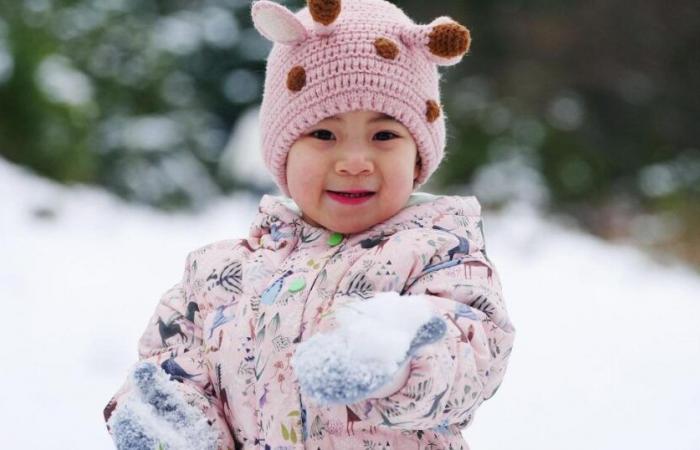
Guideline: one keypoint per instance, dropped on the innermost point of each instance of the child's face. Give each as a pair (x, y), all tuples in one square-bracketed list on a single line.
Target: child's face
[(359, 150)]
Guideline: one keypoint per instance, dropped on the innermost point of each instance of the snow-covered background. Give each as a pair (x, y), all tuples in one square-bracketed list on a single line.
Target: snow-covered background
[(607, 354)]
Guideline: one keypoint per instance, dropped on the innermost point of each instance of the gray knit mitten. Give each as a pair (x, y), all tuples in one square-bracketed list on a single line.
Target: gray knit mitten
[(156, 415)]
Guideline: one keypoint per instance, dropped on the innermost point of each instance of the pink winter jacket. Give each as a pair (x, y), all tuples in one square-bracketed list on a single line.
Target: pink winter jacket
[(243, 305)]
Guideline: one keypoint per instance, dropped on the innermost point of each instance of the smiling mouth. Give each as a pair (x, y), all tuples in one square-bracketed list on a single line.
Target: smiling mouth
[(353, 194)]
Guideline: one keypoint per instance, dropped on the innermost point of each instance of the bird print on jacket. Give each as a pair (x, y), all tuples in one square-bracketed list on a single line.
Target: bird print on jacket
[(227, 331)]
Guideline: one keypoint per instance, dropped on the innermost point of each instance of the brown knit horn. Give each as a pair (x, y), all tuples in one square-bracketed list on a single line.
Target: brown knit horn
[(449, 40), (324, 11)]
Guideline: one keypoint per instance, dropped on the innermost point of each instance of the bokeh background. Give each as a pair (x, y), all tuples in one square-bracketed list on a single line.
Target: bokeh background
[(589, 108), (128, 127)]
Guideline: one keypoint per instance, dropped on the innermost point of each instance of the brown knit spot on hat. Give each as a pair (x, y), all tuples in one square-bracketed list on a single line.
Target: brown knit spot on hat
[(449, 40), (324, 11), (386, 48), (296, 79), (433, 111)]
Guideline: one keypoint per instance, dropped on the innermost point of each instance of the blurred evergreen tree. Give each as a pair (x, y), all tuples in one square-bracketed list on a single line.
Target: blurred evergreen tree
[(136, 95), (595, 101), (588, 107)]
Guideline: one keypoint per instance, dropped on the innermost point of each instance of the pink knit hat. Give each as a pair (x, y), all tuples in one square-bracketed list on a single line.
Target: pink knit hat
[(330, 58)]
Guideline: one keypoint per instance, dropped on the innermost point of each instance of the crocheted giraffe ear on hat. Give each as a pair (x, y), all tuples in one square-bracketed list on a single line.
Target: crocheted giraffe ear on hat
[(277, 23), (444, 41)]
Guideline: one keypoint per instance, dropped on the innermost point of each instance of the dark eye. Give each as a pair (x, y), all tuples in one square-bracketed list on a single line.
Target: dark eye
[(385, 136), (323, 135)]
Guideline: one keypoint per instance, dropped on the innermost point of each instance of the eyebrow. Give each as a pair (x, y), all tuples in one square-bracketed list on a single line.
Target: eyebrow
[(378, 118)]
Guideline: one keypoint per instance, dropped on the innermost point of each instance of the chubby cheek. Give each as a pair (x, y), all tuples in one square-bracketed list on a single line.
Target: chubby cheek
[(302, 179), (401, 176)]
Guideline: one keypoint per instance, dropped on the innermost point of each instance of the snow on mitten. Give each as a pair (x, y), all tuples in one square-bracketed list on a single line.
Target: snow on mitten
[(371, 347), (156, 415)]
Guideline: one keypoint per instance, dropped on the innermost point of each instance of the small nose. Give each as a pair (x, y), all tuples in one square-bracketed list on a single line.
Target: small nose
[(354, 162)]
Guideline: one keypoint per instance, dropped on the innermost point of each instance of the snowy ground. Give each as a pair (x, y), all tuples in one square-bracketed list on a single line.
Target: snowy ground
[(607, 354)]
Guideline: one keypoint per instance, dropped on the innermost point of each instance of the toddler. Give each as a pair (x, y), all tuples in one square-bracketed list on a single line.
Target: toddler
[(358, 313)]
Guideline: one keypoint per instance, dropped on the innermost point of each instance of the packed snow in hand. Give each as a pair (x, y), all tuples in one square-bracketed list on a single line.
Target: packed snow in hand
[(156, 415), (373, 339)]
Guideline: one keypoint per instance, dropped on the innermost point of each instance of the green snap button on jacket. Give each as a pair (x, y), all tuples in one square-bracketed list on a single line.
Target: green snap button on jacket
[(335, 239), (297, 285)]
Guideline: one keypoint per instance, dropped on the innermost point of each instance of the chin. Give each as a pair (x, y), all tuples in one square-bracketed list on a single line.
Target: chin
[(350, 228)]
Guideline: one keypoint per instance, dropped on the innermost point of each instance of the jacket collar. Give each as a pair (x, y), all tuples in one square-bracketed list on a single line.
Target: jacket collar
[(280, 218)]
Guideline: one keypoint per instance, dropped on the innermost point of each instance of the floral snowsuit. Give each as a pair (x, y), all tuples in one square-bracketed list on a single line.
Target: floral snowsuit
[(233, 322)]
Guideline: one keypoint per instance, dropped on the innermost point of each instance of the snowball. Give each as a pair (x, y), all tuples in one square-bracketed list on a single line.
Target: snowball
[(372, 341)]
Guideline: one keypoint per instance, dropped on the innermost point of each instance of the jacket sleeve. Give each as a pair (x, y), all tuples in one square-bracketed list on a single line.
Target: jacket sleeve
[(174, 333), (448, 380)]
